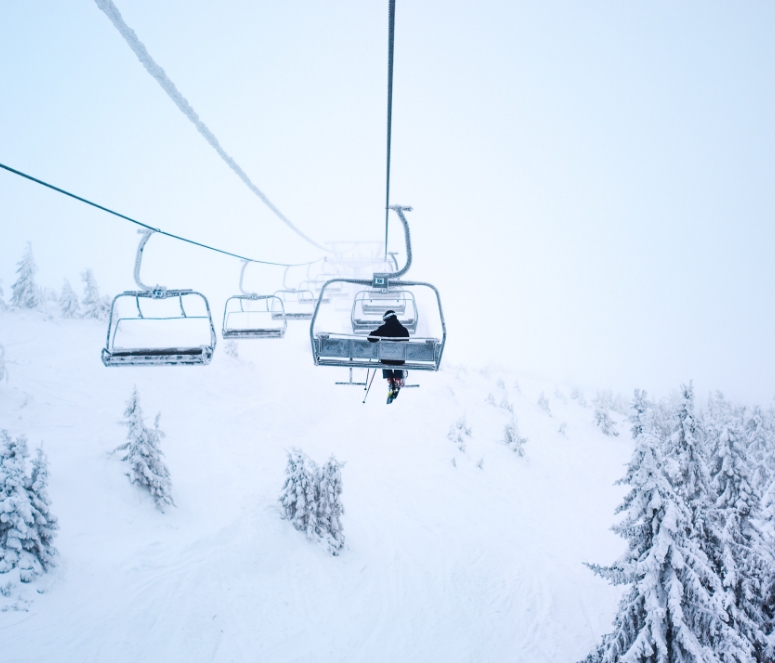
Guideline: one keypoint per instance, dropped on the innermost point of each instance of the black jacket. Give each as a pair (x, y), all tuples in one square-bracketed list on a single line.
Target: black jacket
[(391, 329)]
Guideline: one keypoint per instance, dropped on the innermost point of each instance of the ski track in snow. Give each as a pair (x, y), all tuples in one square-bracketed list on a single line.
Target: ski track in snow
[(441, 563)]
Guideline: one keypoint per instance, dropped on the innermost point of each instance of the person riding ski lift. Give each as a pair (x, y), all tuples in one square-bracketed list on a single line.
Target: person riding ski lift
[(391, 329)]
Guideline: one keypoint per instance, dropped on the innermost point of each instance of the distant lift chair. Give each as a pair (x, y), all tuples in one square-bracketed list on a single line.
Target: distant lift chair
[(249, 315), (297, 303)]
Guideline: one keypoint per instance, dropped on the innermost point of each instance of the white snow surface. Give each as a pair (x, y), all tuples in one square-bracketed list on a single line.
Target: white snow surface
[(443, 561)]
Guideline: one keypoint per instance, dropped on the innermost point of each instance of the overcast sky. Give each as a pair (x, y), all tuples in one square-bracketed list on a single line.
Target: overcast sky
[(592, 182)]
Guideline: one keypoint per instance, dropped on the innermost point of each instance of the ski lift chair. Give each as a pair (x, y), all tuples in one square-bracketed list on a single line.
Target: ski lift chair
[(298, 303), (355, 351), (150, 334), (370, 305), (250, 315)]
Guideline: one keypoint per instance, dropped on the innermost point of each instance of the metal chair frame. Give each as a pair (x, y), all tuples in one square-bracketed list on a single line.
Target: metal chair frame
[(255, 332), (169, 356)]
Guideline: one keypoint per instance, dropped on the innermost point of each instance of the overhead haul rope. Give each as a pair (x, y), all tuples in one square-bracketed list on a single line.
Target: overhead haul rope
[(391, 38), (111, 11), (156, 230)]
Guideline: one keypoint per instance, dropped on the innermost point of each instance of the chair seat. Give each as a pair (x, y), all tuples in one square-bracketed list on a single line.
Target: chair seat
[(157, 356)]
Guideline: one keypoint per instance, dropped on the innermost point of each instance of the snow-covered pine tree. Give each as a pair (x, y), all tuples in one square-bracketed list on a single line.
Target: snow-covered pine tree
[(68, 302), (638, 412), (45, 522), (94, 305), (577, 395), (142, 451), (604, 422), (685, 458), (761, 448), (329, 505), (299, 499), (735, 544), (27, 526), (3, 369), (458, 432), (672, 611), (24, 292), (231, 349), (513, 439), (3, 305)]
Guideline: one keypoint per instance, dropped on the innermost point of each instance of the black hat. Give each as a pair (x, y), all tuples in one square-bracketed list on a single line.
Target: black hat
[(390, 313)]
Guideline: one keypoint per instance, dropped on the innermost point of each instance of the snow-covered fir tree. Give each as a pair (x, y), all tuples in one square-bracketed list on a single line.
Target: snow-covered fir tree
[(298, 497), (3, 369), (45, 522), (638, 408), (94, 305), (311, 499), (513, 439), (543, 403), (458, 432), (68, 302), (735, 544), (760, 442), (673, 611), (329, 505), (25, 292), (577, 395), (142, 451), (685, 459), (27, 526), (604, 422), (3, 305), (231, 349)]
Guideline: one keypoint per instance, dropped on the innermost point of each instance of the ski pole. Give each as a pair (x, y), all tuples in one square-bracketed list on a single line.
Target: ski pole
[(369, 389), (367, 379)]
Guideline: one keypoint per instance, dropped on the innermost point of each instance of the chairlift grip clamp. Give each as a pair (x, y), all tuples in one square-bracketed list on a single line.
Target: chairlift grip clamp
[(380, 281)]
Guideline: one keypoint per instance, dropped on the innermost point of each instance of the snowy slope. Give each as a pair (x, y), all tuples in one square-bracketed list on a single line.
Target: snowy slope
[(443, 561)]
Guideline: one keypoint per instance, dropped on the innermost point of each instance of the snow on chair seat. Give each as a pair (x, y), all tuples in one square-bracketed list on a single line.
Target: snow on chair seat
[(157, 356)]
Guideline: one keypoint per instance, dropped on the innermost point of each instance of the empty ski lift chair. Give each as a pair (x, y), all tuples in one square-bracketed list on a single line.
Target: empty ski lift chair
[(370, 305), (253, 316), (327, 273), (355, 351), (298, 303), (141, 334)]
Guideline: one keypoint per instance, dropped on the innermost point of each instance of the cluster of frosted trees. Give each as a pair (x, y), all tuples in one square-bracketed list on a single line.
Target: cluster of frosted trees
[(27, 294), (697, 520), (311, 498), (27, 526), (142, 452)]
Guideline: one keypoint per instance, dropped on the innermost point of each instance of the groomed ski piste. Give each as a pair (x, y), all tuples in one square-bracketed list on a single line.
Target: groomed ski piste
[(451, 554)]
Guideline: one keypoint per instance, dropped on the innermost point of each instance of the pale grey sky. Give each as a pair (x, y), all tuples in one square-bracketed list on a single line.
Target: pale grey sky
[(592, 182)]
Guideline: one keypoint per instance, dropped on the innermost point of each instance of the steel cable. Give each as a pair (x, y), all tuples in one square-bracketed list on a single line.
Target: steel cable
[(157, 230)]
